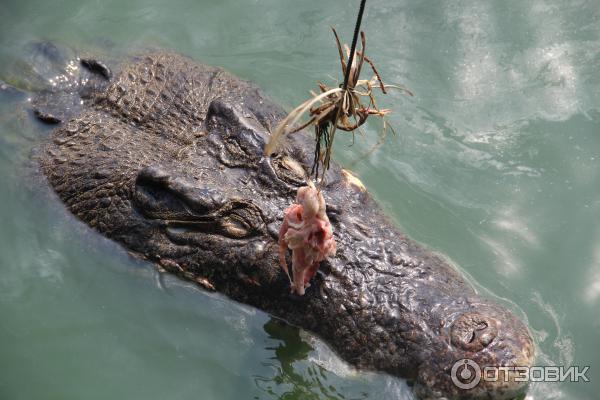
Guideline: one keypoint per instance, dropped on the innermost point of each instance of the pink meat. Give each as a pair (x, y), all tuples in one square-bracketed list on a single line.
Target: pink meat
[(306, 231)]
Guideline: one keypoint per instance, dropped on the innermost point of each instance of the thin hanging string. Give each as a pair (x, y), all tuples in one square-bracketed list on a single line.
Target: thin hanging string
[(361, 10)]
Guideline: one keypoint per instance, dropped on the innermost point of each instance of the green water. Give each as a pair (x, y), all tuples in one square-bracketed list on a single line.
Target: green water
[(496, 164)]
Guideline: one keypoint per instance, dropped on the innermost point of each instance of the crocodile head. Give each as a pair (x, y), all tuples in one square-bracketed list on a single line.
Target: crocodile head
[(168, 160)]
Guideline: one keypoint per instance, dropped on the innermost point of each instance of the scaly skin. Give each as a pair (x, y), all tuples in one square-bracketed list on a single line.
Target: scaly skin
[(166, 158)]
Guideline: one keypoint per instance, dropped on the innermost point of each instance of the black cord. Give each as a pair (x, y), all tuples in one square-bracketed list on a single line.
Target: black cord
[(361, 10)]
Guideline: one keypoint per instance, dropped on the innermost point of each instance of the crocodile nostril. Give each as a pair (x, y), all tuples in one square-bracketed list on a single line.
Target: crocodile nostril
[(472, 339), (473, 331)]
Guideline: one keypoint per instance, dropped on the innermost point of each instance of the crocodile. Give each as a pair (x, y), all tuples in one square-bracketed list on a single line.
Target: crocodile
[(165, 156)]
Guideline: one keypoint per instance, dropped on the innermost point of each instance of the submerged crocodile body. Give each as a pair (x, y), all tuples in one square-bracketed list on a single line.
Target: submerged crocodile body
[(165, 156)]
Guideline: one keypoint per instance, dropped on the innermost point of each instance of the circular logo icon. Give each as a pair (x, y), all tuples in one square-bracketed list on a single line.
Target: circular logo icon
[(466, 374)]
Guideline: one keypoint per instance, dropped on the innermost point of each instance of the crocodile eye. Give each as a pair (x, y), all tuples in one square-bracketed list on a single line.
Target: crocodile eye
[(188, 210), (160, 194), (235, 227), (235, 220), (289, 170), (238, 138), (239, 219)]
